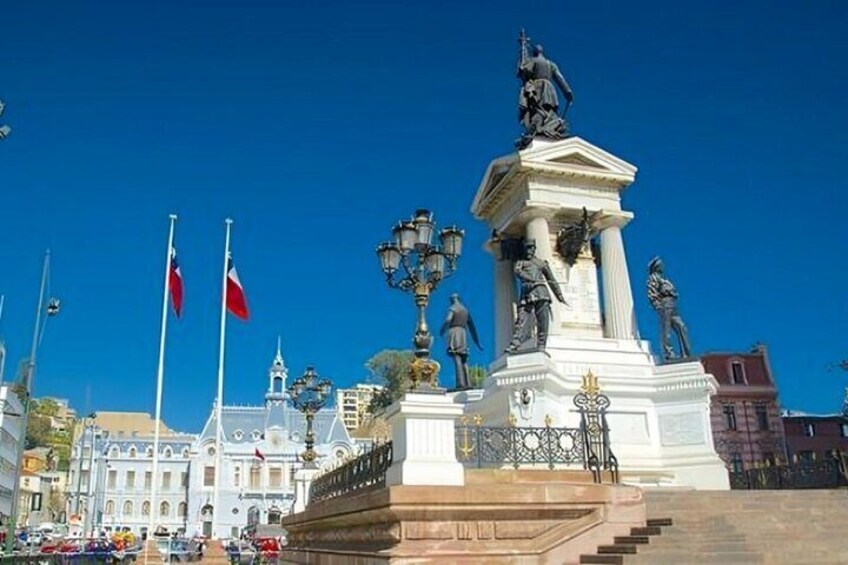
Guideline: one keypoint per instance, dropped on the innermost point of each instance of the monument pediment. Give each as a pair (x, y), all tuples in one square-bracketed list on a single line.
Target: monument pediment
[(572, 157)]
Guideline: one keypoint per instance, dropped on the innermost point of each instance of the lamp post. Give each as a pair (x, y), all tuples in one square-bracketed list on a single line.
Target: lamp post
[(309, 393), (412, 263), (88, 430)]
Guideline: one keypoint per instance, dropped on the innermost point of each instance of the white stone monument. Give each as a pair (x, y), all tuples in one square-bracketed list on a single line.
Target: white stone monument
[(659, 417), (423, 441)]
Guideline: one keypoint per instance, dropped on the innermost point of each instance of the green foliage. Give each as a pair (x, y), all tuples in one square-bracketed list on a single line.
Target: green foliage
[(38, 431), (45, 407), (476, 376), (389, 368)]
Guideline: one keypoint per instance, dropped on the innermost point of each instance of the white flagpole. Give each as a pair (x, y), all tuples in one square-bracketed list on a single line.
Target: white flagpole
[(2, 343), (216, 498), (154, 508)]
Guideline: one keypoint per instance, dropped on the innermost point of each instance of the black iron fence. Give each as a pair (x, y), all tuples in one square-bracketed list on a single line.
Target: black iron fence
[(366, 471), (821, 474), (586, 446)]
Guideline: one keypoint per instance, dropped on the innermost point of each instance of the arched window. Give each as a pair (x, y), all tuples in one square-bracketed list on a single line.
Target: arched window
[(182, 510), (168, 453), (132, 452), (255, 435), (185, 453), (110, 507), (145, 508), (277, 385), (114, 452), (148, 452), (238, 435), (274, 516), (128, 508), (164, 509)]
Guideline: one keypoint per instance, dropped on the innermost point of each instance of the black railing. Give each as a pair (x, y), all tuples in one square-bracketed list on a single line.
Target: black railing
[(366, 471), (822, 474), (586, 446)]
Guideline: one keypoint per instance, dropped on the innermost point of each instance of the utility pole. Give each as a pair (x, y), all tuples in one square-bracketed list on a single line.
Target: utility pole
[(51, 310)]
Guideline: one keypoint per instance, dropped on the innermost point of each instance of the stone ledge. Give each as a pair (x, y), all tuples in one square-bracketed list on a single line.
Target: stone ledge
[(504, 515)]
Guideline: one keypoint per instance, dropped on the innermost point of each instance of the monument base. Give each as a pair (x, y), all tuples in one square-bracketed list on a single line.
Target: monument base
[(423, 448), (658, 418), (503, 516)]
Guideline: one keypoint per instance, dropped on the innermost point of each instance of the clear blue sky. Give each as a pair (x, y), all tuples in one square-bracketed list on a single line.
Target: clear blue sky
[(317, 125)]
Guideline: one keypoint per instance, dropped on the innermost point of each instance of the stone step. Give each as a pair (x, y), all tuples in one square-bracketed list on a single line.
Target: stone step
[(646, 531), (691, 558), (659, 522), (617, 548), (603, 559), (633, 540)]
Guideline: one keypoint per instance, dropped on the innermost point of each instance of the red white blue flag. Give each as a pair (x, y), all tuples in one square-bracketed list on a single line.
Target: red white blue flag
[(175, 283), (236, 301)]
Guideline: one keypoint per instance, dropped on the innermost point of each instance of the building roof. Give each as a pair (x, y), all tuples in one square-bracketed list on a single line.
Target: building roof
[(755, 364), (800, 414), (131, 424), (38, 452), (327, 425)]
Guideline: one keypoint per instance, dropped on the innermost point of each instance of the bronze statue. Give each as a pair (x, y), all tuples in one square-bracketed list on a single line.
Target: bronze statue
[(538, 104), (572, 238), (534, 277), (459, 321), (663, 297)]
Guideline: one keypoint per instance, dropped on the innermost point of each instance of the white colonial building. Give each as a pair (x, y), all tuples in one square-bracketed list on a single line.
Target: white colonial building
[(254, 490), (114, 479), (109, 488)]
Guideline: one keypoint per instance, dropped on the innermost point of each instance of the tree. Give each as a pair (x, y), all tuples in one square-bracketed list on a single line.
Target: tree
[(38, 431), (389, 368), (476, 376), (45, 407)]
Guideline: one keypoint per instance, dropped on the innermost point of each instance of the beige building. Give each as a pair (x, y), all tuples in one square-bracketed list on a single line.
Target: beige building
[(353, 404)]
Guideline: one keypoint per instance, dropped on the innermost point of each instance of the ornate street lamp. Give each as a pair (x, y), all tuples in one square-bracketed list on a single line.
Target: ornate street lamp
[(309, 393), (412, 263), (4, 130)]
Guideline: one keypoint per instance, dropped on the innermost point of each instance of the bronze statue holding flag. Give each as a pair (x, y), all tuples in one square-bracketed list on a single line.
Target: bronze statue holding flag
[(538, 104)]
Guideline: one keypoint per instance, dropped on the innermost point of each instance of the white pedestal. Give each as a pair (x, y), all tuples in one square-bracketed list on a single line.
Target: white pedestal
[(302, 483), (659, 415), (423, 441)]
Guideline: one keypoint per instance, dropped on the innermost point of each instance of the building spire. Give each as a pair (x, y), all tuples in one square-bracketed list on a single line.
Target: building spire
[(278, 359), (277, 375)]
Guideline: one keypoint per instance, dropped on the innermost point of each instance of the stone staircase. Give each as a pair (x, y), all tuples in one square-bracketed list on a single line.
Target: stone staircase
[(736, 527)]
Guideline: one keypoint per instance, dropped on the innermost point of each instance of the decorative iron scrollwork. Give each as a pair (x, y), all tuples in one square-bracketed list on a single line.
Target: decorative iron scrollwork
[(366, 471), (513, 446)]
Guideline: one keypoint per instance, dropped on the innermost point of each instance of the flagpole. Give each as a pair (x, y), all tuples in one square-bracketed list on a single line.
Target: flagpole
[(159, 375), (216, 511)]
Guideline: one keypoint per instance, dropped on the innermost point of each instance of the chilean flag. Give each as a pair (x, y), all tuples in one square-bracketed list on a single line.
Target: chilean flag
[(236, 301), (175, 283)]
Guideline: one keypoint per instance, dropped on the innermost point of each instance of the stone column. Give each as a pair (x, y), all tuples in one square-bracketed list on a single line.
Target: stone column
[(504, 304), (620, 322), (539, 230), (423, 441), (303, 478)]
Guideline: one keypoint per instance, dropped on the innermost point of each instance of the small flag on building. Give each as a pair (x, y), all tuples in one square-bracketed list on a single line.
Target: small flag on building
[(258, 454)]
